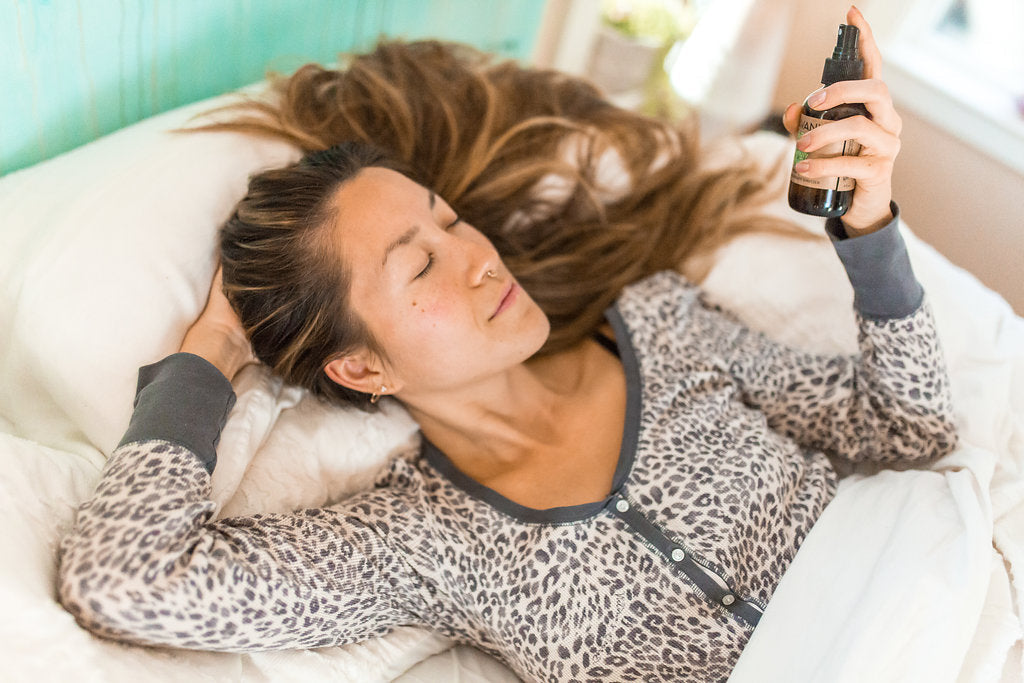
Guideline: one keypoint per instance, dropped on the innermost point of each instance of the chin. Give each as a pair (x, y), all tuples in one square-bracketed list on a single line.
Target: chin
[(536, 334)]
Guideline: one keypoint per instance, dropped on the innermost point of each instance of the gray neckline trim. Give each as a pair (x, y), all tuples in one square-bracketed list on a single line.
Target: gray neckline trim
[(627, 452)]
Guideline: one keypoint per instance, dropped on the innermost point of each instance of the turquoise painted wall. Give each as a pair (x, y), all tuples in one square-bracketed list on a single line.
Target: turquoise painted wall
[(73, 70)]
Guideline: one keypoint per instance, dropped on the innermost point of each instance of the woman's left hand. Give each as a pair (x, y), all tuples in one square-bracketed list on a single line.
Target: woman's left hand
[(879, 137)]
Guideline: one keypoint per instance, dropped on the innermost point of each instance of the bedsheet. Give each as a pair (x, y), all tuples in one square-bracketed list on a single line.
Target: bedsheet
[(105, 259)]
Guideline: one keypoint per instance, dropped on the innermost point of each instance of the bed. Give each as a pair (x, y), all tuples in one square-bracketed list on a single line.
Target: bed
[(106, 253)]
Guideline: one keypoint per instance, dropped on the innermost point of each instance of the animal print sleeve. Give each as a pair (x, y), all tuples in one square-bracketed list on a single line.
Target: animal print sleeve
[(146, 563), (889, 403)]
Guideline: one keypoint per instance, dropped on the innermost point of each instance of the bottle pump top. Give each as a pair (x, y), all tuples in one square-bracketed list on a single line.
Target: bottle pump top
[(845, 63)]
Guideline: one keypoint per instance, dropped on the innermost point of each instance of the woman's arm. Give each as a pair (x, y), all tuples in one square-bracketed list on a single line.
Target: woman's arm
[(146, 564), (891, 402)]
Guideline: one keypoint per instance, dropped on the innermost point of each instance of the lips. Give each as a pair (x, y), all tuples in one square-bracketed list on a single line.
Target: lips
[(508, 298)]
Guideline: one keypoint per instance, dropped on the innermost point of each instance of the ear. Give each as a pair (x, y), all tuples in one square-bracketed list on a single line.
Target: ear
[(360, 371)]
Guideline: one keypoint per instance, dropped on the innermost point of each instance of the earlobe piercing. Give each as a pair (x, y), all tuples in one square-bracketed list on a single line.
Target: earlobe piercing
[(377, 394)]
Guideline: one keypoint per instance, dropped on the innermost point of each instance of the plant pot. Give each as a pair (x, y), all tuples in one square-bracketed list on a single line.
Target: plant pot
[(619, 63)]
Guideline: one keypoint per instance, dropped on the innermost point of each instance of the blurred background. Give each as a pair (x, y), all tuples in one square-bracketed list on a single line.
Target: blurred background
[(74, 70)]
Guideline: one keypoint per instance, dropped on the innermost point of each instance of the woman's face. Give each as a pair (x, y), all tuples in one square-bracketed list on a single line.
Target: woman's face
[(431, 288)]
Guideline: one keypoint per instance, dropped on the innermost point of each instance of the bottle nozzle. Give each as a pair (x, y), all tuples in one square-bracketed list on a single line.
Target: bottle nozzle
[(845, 63), (846, 43)]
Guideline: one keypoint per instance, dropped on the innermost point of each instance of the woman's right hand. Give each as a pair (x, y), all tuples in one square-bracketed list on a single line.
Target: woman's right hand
[(878, 135), (217, 335)]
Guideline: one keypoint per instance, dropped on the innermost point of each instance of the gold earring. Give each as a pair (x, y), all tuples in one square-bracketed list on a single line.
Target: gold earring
[(376, 395)]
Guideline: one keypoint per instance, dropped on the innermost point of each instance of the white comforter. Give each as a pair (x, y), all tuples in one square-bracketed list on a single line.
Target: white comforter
[(104, 257)]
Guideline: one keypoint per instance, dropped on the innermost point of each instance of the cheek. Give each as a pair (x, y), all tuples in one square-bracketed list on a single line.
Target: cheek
[(427, 340), (427, 316), (428, 331)]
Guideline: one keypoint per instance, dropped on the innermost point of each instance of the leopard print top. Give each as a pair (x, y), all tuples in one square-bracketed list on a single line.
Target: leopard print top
[(721, 476)]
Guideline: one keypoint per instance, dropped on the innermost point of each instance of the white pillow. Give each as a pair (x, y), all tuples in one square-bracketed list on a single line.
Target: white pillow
[(106, 256)]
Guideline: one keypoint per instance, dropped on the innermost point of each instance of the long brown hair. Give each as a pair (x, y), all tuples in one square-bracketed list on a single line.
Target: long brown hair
[(580, 197)]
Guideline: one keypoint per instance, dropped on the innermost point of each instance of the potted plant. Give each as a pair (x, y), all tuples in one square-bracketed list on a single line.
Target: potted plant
[(634, 37)]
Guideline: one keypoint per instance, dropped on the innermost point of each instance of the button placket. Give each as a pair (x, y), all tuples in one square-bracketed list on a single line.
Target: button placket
[(707, 579)]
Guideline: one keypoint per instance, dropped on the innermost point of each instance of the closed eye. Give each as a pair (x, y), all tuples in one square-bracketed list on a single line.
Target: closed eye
[(430, 255), (426, 268)]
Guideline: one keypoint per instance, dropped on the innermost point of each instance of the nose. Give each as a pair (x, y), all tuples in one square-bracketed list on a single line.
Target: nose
[(482, 260)]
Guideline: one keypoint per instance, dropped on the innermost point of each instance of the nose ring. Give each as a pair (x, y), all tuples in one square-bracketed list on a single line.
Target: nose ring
[(491, 273)]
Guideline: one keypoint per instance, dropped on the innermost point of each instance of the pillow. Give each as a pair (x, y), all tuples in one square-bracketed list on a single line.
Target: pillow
[(107, 255)]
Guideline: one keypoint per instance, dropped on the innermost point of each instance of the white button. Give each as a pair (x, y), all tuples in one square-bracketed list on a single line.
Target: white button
[(678, 554), (728, 599), (622, 505)]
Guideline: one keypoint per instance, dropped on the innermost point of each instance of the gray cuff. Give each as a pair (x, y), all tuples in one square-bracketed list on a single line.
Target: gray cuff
[(884, 284), (183, 399)]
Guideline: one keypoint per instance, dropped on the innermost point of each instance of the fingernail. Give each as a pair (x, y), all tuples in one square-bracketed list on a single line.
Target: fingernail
[(816, 98), (802, 166)]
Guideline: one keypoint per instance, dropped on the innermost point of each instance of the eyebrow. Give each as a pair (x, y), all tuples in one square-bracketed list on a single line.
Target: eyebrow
[(407, 236)]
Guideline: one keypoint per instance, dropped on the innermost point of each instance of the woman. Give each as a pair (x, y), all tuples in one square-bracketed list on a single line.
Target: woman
[(619, 507)]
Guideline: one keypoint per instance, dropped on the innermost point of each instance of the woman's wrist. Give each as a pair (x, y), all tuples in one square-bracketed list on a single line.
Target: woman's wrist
[(878, 266), (217, 336), (837, 228), (226, 349), (856, 228)]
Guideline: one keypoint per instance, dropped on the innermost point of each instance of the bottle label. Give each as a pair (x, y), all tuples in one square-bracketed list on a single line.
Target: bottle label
[(835, 149)]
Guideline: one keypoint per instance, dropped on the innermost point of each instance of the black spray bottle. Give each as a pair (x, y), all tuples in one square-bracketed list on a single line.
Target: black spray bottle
[(829, 196)]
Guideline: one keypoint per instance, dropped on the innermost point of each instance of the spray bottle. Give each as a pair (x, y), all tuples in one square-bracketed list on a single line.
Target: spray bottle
[(830, 196)]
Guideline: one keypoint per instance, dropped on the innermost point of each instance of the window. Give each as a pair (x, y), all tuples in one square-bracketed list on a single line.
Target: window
[(960, 65)]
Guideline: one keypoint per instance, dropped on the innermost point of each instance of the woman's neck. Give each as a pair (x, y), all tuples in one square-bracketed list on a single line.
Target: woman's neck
[(498, 424)]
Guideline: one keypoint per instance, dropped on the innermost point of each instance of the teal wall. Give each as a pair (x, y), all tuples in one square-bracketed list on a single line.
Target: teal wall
[(73, 70)]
